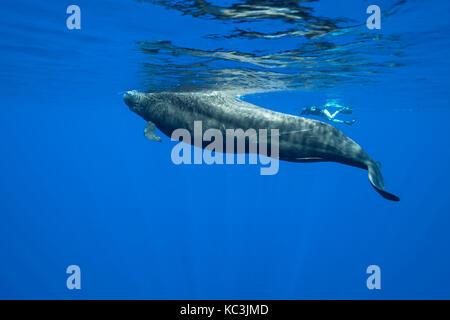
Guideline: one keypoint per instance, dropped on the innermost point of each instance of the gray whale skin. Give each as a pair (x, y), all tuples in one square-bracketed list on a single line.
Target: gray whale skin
[(300, 139)]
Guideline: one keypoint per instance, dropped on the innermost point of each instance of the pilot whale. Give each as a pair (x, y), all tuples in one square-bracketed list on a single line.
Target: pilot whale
[(300, 139)]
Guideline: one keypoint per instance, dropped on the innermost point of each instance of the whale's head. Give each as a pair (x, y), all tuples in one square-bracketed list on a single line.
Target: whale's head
[(134, 100)]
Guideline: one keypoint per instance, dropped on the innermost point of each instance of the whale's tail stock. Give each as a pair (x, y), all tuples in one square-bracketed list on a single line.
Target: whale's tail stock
[(376, 179)]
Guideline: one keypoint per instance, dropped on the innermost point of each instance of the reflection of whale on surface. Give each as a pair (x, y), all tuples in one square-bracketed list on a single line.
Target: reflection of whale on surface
[(300, 139)]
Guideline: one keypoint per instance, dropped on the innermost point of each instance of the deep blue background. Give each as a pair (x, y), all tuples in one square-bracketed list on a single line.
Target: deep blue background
[(79, 184)]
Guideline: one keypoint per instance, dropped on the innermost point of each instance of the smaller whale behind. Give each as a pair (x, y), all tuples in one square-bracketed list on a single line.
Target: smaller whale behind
[(300, 139)]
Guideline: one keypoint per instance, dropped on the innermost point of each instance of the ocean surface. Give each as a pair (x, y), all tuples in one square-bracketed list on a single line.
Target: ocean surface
[(81, 185)]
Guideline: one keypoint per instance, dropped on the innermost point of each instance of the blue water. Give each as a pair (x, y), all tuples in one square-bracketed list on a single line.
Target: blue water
[(80, 185)]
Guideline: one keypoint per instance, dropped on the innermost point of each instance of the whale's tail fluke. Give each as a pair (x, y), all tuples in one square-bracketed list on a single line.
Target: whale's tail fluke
[(376, 179)]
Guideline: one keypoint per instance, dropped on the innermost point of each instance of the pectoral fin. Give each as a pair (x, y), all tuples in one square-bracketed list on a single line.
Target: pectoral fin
[(149, 132)]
